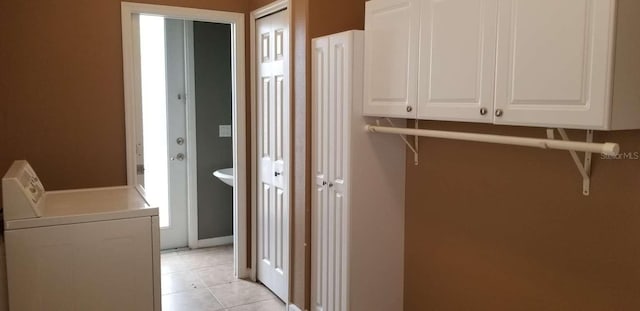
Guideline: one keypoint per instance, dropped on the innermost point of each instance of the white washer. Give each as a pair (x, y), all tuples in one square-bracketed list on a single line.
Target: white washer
[(87, 249)]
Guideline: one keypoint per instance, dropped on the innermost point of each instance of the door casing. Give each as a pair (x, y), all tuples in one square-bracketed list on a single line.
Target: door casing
[(129, 11)]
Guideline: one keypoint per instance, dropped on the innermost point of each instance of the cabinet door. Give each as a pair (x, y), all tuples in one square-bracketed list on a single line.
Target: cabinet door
[(340, 101), (554, 62), (320, 163), (332, 95), (457, 59), (391, 58)]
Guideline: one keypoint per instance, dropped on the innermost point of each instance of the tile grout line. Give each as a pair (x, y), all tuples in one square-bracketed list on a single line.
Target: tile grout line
[(181, 258), (218, 300)]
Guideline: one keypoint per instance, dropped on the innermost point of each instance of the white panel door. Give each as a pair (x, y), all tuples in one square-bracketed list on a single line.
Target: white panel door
[(457, 60), (391, 58), (272, 99), (321, 153), (332, 71), (554, 60), (98, 266)]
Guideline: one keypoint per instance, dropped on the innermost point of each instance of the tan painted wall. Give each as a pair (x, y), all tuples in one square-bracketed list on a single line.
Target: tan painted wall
[(506, 228), (493, 227), (255, 4), (488, 227), (333, 16), (62, 105)]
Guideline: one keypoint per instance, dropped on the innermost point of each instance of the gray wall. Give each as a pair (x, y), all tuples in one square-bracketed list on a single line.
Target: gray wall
[(212, 49)]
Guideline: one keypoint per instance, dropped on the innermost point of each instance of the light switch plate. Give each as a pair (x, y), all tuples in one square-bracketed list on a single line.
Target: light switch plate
[(224, 130)]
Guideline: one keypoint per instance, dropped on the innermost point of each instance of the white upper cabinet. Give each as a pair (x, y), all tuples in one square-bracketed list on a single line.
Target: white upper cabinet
[(457, 60), (554, 62), (391, 57), (547, 63)]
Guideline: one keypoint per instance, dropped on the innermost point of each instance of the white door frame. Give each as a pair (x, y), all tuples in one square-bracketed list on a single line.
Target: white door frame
[(132, 100), (268, 9)]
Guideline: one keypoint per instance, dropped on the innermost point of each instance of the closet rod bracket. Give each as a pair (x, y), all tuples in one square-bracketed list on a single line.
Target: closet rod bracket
[(583, 168), (414, 147)]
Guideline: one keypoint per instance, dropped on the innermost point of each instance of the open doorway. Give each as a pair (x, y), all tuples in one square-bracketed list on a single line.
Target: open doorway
[(163, 155), (172, 163), (186, 125), (185, 109)]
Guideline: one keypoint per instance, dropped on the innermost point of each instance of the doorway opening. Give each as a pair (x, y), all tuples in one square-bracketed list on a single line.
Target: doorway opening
[(162, 97), (186, 103), (168, 163)]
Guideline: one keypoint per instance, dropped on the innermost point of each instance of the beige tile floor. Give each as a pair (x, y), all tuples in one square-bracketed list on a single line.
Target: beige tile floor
[(202, 280)]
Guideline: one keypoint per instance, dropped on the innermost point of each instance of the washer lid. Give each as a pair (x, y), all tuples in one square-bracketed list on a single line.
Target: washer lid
[(87, 205)]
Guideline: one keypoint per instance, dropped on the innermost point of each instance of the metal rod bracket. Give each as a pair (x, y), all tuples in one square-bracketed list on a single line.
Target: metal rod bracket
[(583, 168), (414, 147), (416, 144)]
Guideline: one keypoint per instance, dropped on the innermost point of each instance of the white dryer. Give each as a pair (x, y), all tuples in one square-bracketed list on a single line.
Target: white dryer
[(87, 249)]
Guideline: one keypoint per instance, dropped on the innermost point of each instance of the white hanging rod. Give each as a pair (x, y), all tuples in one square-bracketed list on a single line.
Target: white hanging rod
[(610, 149)]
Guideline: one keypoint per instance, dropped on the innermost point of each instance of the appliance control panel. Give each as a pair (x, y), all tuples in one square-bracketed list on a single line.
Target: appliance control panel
[(22, 192)]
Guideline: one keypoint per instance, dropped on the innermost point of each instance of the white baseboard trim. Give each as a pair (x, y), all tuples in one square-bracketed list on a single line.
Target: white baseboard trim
[(293, 307), (223, 240)]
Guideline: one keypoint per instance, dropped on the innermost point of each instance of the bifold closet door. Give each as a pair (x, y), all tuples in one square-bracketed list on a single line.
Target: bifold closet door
[(273, 151)]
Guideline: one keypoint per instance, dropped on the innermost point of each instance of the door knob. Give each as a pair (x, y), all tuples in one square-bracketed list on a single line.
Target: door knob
[(179, 157)]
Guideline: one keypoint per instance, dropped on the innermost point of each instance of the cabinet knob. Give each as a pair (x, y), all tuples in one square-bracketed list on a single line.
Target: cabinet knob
[(499, 112), (276, 174), (324, 183), (409, 108), (330, 185), (483, 111)]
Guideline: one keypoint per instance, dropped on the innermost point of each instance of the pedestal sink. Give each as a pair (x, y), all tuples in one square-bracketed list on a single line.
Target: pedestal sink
[(225, 175)]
